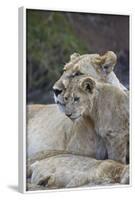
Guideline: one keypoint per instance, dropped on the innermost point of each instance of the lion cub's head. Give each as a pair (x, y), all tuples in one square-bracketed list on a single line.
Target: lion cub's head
[(78, 97)]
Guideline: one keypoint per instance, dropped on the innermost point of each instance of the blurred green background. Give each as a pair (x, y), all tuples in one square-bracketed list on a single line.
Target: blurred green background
[(53, 36)]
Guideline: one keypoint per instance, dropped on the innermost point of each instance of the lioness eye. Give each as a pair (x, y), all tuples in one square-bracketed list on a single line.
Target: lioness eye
[(76, 99), (77, 74), (106, 67)]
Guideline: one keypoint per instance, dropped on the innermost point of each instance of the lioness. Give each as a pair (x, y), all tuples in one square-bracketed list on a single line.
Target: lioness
[(50, 132), (106, 106), (98, 67), (73, 171)]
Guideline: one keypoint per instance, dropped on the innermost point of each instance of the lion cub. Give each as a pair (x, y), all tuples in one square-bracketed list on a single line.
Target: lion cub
[(106, 106)]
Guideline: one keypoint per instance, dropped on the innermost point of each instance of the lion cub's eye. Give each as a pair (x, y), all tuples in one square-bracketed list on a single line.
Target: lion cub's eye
[(76, 99)]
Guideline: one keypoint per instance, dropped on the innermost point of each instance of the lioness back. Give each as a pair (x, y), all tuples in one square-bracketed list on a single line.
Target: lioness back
[(46, 130), (33, 109)]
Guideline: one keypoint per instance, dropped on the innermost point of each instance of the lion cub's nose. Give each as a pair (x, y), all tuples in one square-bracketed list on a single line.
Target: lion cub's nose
[(57, 92)]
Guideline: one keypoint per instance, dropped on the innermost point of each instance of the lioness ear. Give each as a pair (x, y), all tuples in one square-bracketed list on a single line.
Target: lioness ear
[(87, 84), (108, 59), (74, 56)]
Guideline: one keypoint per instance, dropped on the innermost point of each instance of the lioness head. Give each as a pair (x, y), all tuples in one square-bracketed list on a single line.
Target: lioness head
[(95, 65), (78, 97)]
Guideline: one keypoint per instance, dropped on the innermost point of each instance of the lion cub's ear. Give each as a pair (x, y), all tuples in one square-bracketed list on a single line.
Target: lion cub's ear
[(109, 60), (87, 84)]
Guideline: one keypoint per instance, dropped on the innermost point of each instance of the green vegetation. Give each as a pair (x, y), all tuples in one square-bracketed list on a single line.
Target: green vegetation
[(53, 36), (50, 40)]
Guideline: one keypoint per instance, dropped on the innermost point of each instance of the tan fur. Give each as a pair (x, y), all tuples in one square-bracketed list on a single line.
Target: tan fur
[(50, 132), (91, 64), (49, 143), (74, 171), (106, 106)]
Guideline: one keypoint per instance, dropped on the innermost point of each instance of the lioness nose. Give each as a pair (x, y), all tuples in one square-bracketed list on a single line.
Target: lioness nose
[(68, 114), (57, 92)]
